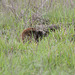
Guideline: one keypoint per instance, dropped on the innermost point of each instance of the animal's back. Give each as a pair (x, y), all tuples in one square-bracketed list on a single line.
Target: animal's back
[(27, 33)]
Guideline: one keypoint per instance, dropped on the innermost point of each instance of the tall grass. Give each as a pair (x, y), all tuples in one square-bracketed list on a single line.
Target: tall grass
[(53, 55)]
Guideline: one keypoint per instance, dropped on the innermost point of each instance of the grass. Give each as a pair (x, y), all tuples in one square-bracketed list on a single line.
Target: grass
[(53, 55)]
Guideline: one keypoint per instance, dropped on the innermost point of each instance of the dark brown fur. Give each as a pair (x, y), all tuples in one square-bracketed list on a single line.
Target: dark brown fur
[(27, 34), (37, 32)]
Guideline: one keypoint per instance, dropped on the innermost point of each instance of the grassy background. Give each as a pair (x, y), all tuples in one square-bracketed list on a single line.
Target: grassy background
[(54, 55)]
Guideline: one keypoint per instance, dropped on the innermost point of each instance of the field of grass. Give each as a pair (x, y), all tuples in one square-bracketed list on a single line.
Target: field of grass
[(53, 55)]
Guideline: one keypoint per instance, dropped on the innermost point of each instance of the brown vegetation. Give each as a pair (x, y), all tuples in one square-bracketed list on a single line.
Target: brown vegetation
[(37, 19)]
